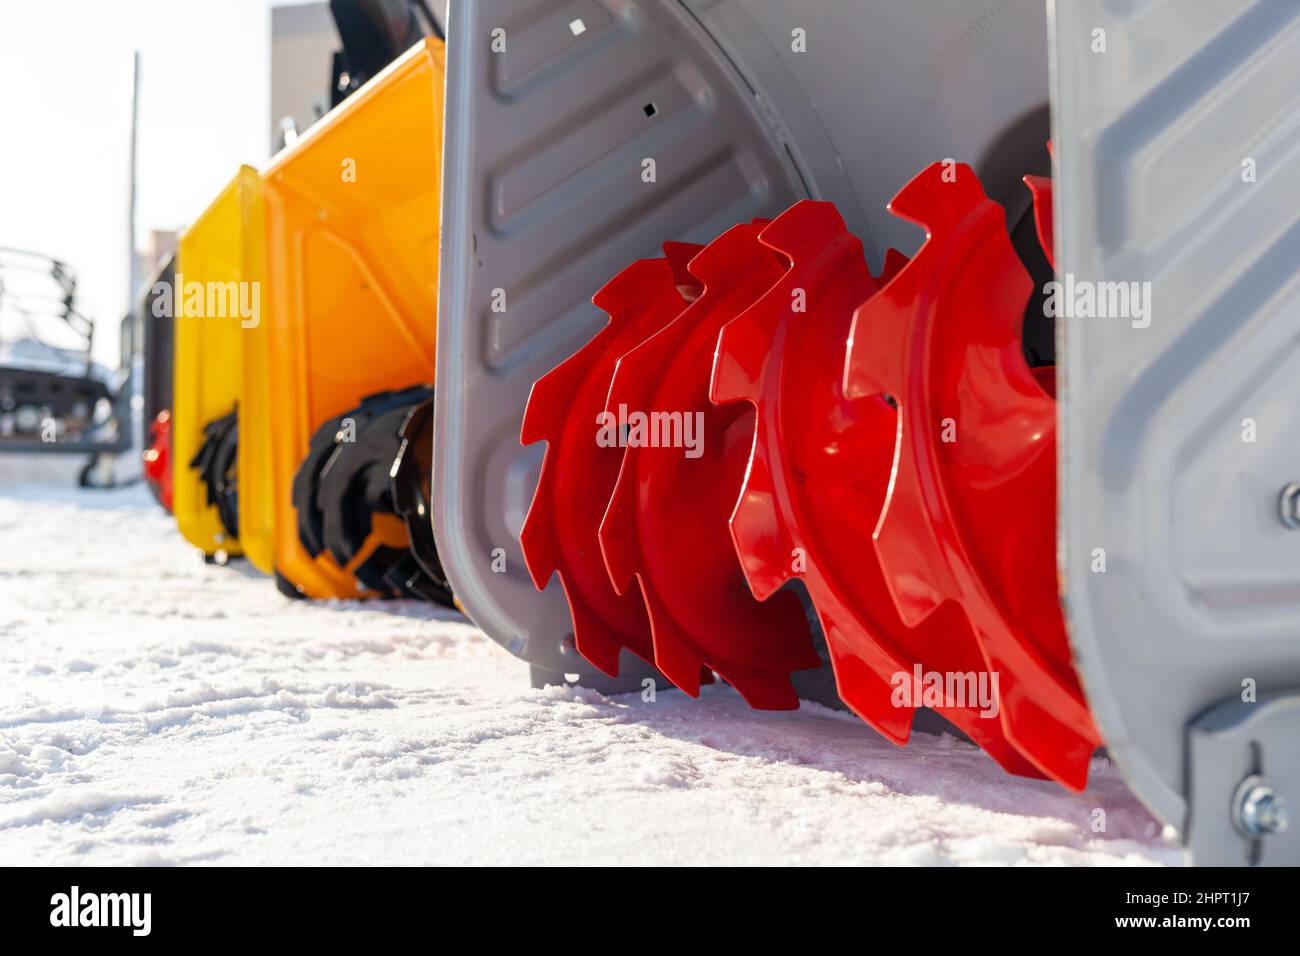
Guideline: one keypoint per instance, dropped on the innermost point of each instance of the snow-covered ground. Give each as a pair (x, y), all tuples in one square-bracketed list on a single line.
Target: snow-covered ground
[(155, 710)]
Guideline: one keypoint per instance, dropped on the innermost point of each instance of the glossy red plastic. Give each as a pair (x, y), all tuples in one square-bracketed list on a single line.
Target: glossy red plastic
[(667, 521), (559, 534), (971, 512), (817, 480), (1040, 187), (158, 458)]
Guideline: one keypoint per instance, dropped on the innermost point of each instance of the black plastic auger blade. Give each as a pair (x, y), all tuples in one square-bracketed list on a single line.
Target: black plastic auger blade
[(306, 483), (215, 462), (310, 525), (412, 478), (225, 478), (341, 485), (408, 578), (355, 483)]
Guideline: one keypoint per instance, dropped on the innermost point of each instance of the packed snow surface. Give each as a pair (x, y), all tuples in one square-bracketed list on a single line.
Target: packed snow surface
[(154, 710)]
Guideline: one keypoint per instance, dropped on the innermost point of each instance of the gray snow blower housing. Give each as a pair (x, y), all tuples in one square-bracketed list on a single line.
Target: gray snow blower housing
[(1179, 151)]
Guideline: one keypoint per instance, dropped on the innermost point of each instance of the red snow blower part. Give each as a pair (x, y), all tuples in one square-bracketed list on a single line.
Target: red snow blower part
[(1040, 187), (559, 535), (158, 459), (818, 477), (882, 439), (666, 524), (970, 517)]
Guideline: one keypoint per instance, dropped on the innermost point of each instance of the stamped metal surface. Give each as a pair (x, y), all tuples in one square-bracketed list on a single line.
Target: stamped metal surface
[(1233, 749), (1178, 135)]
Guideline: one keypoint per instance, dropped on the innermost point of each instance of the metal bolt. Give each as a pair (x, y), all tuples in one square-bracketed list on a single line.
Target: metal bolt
[(1258, 809), (1288, 505)]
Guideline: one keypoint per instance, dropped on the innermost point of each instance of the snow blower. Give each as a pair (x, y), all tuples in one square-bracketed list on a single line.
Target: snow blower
[(553, 183), (352, 212), (1071, 390), (217, 303)]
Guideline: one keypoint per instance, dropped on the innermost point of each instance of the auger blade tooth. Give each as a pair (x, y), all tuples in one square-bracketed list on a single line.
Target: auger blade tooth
[(861, 684), (977, 716), (940, 197), (215, 463), (591, 630), (411, 479), (351, 507), (821, 466), (538, 542), (582, 460), (763, 542), (970, 515), (877, 346), (760, 689), (892, 266), (305, 485), (909, 544), (667, 522), (813, 233), (674, 651), (822, 462), (1040, 187), (355, 485), (617, 534), (738, 362), (679, 256), (546, 409)]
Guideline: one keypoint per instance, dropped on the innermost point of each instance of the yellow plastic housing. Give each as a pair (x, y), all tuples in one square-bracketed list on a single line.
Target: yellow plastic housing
[(256, 487), (352, 218), (219, 304)]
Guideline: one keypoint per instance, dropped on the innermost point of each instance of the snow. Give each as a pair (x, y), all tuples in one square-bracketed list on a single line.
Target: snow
[(160, 711)]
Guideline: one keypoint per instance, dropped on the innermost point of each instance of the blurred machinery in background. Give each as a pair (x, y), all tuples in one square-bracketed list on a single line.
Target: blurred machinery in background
[(53, 398)]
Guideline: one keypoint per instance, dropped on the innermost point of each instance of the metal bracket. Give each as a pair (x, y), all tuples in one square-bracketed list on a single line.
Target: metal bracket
[(1241, 778)]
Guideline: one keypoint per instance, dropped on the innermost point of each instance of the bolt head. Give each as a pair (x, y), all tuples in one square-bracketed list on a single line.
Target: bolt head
[(1259, 809), (1288, 505)]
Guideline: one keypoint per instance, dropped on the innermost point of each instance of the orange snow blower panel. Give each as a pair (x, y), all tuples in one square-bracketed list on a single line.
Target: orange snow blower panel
[(218, 306), (352, 218)]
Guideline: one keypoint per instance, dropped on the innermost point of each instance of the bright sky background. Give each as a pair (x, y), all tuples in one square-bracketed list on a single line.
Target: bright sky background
[(65, 111)]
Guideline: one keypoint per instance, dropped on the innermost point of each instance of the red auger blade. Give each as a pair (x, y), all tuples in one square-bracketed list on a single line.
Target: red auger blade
[(667, 522), (971, 512), (1040, 187), (577, 475), (679, 256), (817, 480)]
